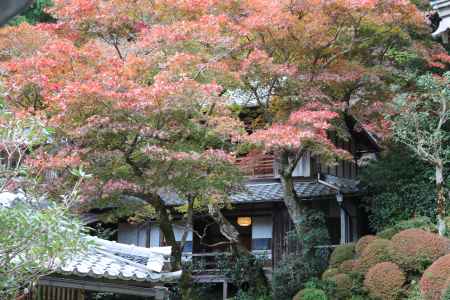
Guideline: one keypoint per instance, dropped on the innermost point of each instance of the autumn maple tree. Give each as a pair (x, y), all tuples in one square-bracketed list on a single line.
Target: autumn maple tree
[(138, 133), (138, 91)]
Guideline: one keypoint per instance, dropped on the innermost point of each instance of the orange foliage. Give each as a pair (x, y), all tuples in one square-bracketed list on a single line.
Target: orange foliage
[(379, 250), (384, 281), (363, 243), (414, 248), (435, 279)]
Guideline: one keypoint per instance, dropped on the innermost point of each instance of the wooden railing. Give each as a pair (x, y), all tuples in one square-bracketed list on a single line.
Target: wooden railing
[(206, 263), (260, 167)]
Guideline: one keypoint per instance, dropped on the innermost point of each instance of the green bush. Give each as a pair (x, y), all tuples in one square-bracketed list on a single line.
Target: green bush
[(245, 296), (329, 273), (341, 253), (310, 294), (413, 292), (446, 295), (399, 186), (291, 275), (296, 269), (424, 223), (447, 223), (251, 282), (358, 297), (388, 233), (343, 286)]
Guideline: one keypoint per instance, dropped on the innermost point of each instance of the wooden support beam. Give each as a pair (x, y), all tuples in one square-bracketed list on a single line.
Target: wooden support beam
[(343, 226)]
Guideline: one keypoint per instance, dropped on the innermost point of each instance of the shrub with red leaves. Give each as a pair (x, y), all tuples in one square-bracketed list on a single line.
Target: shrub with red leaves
[(435, 279), (416, 249), (384, 281), (347, 266), (363, 243), (379, 250)]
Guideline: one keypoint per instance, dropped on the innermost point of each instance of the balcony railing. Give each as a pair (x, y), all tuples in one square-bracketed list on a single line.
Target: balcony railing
[(258, 167), (215, 262)]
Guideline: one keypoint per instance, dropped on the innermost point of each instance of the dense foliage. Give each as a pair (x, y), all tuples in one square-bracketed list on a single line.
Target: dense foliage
[(423, 223), (399, 187), (41, 240), (249, 285), (421, 122), (35, 234), (310, 294), (341, 253), (308, 261)]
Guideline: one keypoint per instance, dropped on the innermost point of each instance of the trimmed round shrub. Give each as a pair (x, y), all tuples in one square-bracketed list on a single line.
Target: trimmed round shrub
[(329, 273), (341, 253), (435, 279), (310, 294), (347, 266), (363, 243), (384, 281), (343, 284), (379, 250), (416, 249)]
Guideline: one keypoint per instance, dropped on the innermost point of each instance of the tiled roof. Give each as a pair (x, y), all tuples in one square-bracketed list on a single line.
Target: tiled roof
[(272, 191), (111, 260)]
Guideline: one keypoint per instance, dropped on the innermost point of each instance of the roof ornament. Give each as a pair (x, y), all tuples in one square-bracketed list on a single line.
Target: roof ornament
[(443, 9)]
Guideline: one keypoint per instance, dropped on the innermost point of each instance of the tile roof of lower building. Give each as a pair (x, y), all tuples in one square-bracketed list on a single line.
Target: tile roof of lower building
[(111, 260)]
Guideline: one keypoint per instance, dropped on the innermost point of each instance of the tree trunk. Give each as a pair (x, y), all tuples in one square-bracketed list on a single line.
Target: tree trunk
[(186, 281), (228, 230), (293, 204), (440, 192), (167, 230)]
